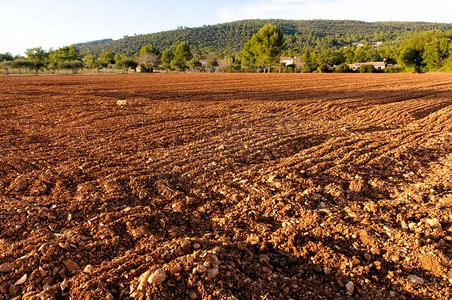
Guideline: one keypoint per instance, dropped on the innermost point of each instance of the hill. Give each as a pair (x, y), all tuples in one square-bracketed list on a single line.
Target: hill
[(230, 37), (93, 43)]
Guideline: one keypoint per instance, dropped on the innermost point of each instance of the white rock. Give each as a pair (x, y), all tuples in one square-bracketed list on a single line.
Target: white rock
[(21, 280), (121, 102), (158, 277), (433, 222), (142, 280), (350, 286), (88, 269)]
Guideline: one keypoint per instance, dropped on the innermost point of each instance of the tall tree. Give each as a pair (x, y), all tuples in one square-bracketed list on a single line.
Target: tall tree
[(36, 54), (107, 58), (181, 56), (6, 56), (148, 48), (264, 47), (92, 62), (67, 53), (167, 57), (148, 58), (38, 58)]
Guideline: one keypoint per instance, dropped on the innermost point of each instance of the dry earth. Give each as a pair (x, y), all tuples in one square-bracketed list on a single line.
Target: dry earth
[(247, 186)]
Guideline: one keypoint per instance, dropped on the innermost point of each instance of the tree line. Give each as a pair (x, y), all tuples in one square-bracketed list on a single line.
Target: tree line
[(422, 52), (229, 38)]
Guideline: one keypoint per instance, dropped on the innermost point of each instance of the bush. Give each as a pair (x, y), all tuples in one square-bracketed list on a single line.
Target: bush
[(306, 69), (74, 65), (342, 68), (393, 69), (366, 69), (324, 68)]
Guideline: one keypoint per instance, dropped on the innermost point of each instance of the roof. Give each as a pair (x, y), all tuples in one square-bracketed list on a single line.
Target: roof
[(373, 63)]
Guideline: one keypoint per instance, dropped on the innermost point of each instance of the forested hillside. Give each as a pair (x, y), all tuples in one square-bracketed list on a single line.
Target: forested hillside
[(257, 46), (229, 38), (93, 43)]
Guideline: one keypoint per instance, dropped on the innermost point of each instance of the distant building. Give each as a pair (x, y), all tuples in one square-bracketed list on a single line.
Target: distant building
[(377, 44), (287, 60), (378, 65), (204, 62)]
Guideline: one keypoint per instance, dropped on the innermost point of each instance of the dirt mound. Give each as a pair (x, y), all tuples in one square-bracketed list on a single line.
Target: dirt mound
[(233, 186)]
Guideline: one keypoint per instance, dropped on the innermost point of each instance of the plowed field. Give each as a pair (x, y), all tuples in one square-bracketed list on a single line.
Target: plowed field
[(233, 186)]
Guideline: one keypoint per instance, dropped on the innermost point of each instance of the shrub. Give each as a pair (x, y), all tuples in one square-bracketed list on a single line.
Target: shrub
[(393, 69), (324, 68), (366, 69), (342, 68)]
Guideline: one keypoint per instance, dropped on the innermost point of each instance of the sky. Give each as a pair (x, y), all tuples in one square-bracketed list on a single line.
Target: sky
[(56, 23)]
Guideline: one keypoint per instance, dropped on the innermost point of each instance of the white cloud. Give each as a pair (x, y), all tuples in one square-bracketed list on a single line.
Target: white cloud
[(383, 10)]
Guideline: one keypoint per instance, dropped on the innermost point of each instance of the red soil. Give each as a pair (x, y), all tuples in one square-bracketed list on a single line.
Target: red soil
[(247, 186)]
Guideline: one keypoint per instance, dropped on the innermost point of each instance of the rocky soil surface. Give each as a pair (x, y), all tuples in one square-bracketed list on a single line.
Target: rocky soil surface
[(233, 186)]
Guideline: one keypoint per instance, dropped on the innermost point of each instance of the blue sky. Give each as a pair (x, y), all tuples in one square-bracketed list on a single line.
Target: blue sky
[(55, 23)]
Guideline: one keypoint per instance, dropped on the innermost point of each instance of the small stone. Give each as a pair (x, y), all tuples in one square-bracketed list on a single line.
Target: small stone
[(13, 290), (110, 297), (418, 243), (392, 293), (48, 280), (404, 224), (366, 221), (253, 239), (21, 280), (327, 270), (64, 285), (7, 267), (416, 279), (433, 222), (196, 246), (142, 280), (357, 184), (212, 273), (194, 295), (30, 248), (158, 277), (71, 265), (176, 269), (350, 286), (286, 290), (42, 272), (88, 269), (271, 178), (201, 269), (121, 102)]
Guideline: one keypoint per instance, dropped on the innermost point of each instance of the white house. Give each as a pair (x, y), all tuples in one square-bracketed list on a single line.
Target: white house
[(378, 65), (287, 60)]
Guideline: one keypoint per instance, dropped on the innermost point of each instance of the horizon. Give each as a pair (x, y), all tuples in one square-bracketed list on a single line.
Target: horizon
[(52, 24)]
